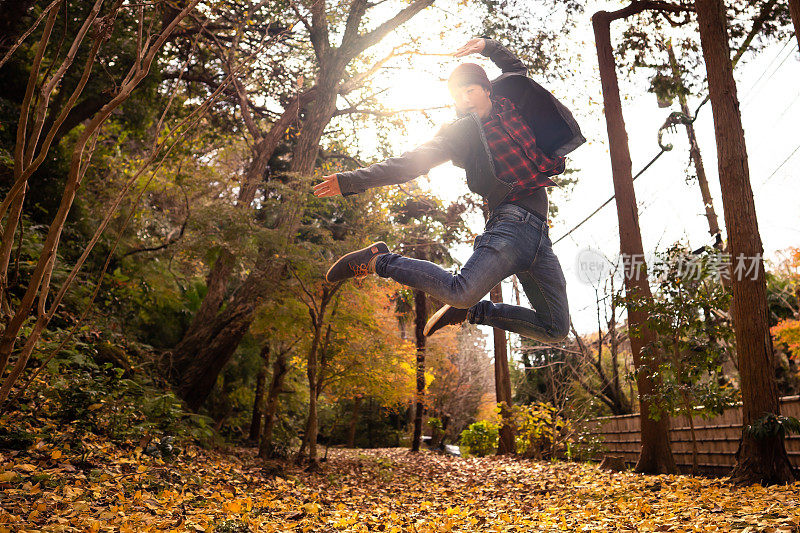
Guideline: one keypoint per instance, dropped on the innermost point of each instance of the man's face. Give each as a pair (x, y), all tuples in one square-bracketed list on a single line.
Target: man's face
[(472, 99)]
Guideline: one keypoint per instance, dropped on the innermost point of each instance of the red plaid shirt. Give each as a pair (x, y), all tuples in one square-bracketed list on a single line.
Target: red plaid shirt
[(517, 159)]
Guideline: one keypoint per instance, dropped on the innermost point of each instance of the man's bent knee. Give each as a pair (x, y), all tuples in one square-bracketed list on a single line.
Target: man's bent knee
[(464, 296), (561, 330), (462, 300)]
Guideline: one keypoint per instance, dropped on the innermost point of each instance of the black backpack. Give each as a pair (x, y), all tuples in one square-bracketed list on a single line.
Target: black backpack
[(557, 133)]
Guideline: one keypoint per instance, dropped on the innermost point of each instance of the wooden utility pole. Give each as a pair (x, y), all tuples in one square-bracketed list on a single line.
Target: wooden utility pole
[(694, 150), (759, 460), (656, 453), (502, 381)]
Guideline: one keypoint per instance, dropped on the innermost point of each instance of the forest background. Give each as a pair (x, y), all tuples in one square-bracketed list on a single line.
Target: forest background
[(198, 308)]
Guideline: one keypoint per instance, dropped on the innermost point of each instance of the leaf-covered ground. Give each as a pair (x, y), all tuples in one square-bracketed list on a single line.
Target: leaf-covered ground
[(369, 490)]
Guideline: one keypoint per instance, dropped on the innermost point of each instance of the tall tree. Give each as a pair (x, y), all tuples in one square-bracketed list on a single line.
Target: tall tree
[(33, 141), (279, 369), (656, 454), (761, 457), (420, 318), (315, 365), (207, 348), (642, 45), (260, 395), (427, 229), (794, 9), (502, 382)]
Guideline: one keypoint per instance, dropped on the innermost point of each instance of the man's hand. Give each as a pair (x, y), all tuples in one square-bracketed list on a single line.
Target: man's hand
[(473, 46), (328, 187)]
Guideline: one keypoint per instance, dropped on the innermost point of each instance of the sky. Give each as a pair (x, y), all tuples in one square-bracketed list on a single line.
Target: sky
[(670, 209)]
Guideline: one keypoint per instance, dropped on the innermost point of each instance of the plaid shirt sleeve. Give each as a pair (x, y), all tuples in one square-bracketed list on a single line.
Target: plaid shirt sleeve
[(517, 158)]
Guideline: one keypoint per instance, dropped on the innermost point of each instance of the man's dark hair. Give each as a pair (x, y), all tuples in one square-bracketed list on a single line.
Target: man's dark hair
[(468, 74)]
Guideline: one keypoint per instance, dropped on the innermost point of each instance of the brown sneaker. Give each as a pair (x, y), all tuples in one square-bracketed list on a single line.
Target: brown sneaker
[(446, 316), (356, 264)]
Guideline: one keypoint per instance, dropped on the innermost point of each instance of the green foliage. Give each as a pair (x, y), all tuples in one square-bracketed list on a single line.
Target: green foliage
[(771, 425), (89, 392), (15, 439), (480, 438), (377, 426), (542, 432), (693, 340), (644, 36)]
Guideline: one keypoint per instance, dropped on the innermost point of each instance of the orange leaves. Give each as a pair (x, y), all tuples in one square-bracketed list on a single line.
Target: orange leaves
[(376, 490), (788, 332)]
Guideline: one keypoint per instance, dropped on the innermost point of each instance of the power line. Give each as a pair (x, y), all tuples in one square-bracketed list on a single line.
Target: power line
[(752, 91), (659, 154), (692, 119), (781, 165)]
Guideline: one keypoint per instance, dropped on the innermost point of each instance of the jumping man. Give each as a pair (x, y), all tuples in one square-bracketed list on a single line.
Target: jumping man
[(510, 137)]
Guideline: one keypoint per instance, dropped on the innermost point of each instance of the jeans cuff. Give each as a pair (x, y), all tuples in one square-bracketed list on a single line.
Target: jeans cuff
[(380, 263), (474, 314)]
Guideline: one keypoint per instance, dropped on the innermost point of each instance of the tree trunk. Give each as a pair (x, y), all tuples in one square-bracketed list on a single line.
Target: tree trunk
[(219, 277), (421, 312), (690, 416), (656, 454), (204, 352), (758, 460), (216, 286), (794, 9), (686, 404), (199, 358), (258, 401), (623, 404), (313, 373), (279, 369), (351, 430), (502, 382)]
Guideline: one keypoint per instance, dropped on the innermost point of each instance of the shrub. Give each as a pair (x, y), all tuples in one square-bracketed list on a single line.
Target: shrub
[(540, 432), (480, 438)]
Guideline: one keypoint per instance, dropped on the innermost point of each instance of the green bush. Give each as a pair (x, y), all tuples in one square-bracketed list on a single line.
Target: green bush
[(480, 438)]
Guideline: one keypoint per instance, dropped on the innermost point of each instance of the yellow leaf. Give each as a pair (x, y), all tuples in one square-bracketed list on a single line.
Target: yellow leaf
[(5, 477), (55, 455)]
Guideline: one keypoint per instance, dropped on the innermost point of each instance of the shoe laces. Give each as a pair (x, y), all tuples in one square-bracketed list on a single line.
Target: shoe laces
[(360, 270)]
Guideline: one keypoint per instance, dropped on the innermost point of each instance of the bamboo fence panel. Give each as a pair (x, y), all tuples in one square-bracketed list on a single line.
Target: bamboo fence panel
[(717, 438)]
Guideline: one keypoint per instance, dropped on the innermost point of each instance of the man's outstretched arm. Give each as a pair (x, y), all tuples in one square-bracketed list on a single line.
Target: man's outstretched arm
[(503, 58), (392, 171)]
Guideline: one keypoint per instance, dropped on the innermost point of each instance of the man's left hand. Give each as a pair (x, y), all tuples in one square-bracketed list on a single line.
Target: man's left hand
[(473, 46)]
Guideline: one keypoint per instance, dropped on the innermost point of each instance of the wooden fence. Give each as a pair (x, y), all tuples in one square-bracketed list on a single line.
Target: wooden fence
[(717, 438)]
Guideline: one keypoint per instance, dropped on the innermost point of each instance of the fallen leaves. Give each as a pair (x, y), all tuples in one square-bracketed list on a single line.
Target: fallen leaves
[(372, 490)]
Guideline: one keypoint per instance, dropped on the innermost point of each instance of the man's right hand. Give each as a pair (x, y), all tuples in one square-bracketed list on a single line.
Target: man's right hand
[(328, 187), (473, 46)]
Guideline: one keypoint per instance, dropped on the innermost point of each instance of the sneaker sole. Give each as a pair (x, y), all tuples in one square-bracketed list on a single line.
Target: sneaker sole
[(434, 319), (345, 255)]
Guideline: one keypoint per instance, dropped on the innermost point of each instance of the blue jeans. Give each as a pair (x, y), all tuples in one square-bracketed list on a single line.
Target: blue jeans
[(515, 241)]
